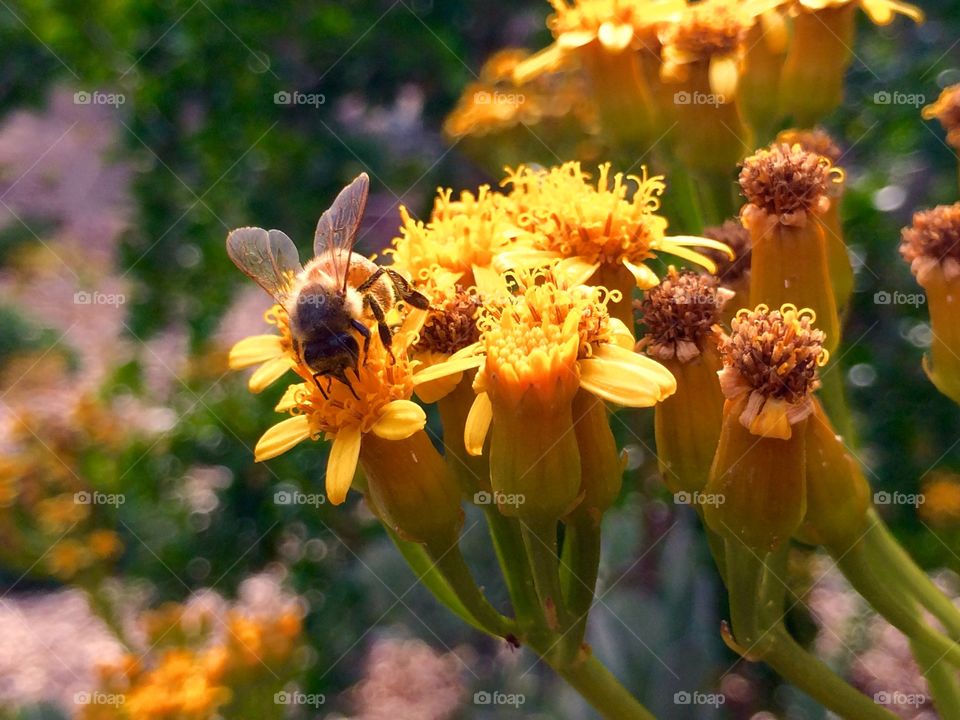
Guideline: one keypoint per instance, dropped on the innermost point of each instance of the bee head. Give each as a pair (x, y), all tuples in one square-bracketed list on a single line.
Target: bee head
[(332, 353)]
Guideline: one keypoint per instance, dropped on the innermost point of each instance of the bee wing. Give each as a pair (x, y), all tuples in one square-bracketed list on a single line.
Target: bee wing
[(337, 228), (270, 259)]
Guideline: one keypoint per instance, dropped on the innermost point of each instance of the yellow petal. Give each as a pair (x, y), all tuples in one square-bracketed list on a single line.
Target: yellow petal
[(645, 277), (615, 37), (620, 334), (692, 256), (269, 372), (450, 367), (399, 419), (625, 377), (576, 270), (487, 280), (547, 60), (477, 424), (697, 241), (435, 390), (576, 38), (254, 350), (281, 437), (724, 76), (342, 464), (772, 420), (291, 397)]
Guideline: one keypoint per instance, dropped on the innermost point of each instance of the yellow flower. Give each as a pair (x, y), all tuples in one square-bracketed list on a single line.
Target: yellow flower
[(382, 406), (462, 236), (595, 230), (881, 12), (273, 353), (537, 348), (946, 109), (941, 493)]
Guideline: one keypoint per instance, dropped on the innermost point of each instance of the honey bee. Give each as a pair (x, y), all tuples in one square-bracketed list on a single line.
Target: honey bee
[(327, 299)]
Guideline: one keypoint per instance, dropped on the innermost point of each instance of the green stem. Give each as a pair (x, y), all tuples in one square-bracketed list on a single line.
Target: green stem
[(426, 571), (834, 399), (449, 562), (578, 576), (508, 545), (756, 591), (681, 205), (716, 198), (540, 541), (882, 544), (602, 690), (942, 680), (899, 610)]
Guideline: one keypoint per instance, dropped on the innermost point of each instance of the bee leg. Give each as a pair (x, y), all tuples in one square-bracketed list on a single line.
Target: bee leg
[(407, 293), (316, 379), (369, 282), (364, 332), (386, 337), (341, 375)]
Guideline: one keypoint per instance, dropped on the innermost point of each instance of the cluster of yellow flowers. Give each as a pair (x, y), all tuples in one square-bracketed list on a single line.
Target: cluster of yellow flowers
[(51, 520), (195, 670)]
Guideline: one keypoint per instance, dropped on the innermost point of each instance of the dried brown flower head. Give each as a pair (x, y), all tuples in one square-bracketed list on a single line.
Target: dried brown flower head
[(933, 236), (787, 181), (679, 314), (735, 236), (715, 27), (452, 324), (776, 353)]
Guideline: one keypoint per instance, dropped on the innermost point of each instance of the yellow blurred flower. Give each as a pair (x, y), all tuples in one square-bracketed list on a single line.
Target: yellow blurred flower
[(941, 493), (946, 109), (881, 12)]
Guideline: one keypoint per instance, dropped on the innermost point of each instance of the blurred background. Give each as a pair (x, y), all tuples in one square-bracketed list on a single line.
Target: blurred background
[(143, 554)]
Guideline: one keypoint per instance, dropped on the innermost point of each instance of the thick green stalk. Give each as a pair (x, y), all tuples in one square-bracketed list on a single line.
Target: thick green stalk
[(756, 593), (602, 690), (450, 564), (882, 545), (578, 576), (540, 542), (941, 679), (899, 609), (681, 205), (508, 545), (425, 569)]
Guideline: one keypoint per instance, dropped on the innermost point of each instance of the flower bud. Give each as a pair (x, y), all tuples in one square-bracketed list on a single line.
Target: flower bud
[(411, 488), (758, 476), (679, 315), (932, 247), (838, 495), (786, 189)]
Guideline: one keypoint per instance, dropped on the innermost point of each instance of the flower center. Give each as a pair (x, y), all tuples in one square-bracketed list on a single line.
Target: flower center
[(777, 352), (934, 234), (683, 308), (714, 27), (787, 179), (452, 323), (598, 223)]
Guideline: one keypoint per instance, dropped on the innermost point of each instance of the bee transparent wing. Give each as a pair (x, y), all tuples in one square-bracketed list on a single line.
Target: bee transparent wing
[(270, 259), (337, 228)]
